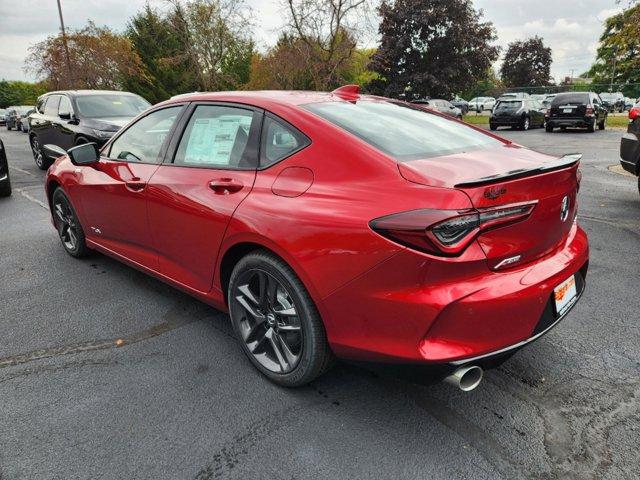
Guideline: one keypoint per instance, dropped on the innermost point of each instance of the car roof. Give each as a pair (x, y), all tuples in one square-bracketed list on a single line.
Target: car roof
[(264, 98), (87, 92)]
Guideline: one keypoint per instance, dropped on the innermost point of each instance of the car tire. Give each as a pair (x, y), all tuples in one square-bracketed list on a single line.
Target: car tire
[(526, 123), (548, 128), (38, 155), (290, 349), (5, 186), (602, 124), (493, 127), (8, 127), (68, 225)]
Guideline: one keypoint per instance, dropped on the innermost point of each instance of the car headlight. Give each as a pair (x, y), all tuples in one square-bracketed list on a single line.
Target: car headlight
[(103, 133)]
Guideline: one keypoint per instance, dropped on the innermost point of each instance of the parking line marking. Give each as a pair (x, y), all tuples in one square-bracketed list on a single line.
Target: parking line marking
[(19, 170), (31, 198)]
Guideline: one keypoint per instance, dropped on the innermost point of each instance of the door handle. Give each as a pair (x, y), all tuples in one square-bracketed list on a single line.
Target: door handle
[(135, 184), (225, 186)]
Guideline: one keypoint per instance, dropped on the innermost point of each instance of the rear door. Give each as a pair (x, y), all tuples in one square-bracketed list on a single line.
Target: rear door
[(114, 193), (46, 128), (209, 170), (62, 126)]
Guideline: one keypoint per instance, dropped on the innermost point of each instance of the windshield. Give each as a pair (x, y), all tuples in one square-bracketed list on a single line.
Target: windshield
[(607, 96), (105, 106), (401, 131), (570, 98), (2, 111), (509, 105), (23, 110)]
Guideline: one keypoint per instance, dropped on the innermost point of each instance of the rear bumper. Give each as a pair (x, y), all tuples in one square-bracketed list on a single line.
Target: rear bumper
[(506, 121), (630, 152), (580, 122), (412, 310)]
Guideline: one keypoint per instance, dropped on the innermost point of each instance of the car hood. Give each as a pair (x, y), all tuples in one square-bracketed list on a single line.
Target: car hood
[(107, 124)]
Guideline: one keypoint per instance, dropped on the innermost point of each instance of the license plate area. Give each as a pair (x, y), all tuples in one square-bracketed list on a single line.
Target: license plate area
[(567, 110), (564, 295)]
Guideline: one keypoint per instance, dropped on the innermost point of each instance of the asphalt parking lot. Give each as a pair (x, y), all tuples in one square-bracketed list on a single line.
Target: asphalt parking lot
[(107, 373)]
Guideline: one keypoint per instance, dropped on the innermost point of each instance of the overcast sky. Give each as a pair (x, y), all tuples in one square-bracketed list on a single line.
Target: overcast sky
[(570, 27)]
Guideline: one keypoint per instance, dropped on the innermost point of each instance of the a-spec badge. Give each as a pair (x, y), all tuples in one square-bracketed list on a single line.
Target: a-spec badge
[(494, 192)]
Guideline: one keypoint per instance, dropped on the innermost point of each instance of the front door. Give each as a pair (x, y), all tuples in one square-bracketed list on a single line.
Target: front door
[(193, 195), (113, 193)]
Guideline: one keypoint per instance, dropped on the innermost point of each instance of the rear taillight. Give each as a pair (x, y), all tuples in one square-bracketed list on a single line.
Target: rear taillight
[(589, 110), (634, 113), (447, 232)]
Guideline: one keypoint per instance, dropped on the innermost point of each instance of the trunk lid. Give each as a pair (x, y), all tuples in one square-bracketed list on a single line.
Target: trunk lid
[(505, 176)]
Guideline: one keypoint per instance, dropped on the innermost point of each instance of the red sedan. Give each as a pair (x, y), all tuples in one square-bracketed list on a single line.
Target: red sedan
[(335, 225)]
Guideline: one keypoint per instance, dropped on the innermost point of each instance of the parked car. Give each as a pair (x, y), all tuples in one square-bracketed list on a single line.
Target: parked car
[(628, 103), (613, 101), (24, 120), (442, 106), (74, 117), (538, 97), (3, 116), (462, 104), (630, 144), (260, 203), (479, 104), (14, 116), (576, 109), (5, 180), (516, 113)]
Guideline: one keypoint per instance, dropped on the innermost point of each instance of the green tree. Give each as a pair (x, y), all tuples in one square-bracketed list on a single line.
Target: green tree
[(20, 93), (527, 63), (168, 70), (618, 57), (431, 47)]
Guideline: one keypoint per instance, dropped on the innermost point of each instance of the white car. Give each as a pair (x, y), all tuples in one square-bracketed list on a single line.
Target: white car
[(480, 104)]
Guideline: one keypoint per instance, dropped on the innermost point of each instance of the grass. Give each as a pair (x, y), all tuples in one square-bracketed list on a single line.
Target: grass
[(618, 121)]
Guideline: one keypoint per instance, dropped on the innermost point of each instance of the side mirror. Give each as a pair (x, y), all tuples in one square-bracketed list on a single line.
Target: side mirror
[(65, 115), (53, 151), (85, 154)]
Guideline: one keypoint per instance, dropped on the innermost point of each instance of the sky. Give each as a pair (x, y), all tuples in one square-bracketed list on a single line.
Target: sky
[(570, 27)]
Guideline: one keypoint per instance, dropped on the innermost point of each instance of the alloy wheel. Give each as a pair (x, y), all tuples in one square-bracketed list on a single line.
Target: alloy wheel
[(525, 125), (37, 152), (268, 321), (66, 223)]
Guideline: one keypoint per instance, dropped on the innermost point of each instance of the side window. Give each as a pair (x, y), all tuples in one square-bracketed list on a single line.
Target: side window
[(51, 107), (596, 100), (216, 137), (279, 140), (40, 105), (64, 109), (142, 141)]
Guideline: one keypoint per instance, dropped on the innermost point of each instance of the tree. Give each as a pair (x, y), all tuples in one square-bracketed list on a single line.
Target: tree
[(526, 63), (215, 35), (322, 35), (431, 47), (167, 65), (618, 57), (99, 58), (20, 93)]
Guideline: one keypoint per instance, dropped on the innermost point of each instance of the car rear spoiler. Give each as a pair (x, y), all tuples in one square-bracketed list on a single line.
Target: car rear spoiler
[(565, 161)]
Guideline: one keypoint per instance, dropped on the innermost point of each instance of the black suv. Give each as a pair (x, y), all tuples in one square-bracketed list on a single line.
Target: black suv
[(516, 113), (74, 117), (630, 144), (576, 109)]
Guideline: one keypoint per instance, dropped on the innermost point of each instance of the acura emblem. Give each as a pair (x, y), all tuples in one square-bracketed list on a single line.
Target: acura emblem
[(564, 209)]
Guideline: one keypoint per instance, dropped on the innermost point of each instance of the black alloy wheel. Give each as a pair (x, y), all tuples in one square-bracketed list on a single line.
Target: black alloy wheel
[(276, 321), (68, 225), (38, 155)]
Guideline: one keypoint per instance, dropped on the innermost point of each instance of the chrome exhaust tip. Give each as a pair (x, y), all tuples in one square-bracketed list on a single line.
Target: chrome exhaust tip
[(465, 378)]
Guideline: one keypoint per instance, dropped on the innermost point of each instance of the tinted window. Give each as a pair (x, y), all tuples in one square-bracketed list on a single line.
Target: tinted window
[(508, 105), (142, 141), (65, 106), (572, 98), (216, 137), (51, 107), (279, 141), (115, 105), (400, 131)]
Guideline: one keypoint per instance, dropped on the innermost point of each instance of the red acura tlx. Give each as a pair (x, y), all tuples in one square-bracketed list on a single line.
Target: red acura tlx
[(335, 225)]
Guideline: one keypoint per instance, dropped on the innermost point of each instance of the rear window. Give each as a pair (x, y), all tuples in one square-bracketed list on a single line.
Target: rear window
[(105, 106), (509, 105), (401, 131), (573, 98)]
